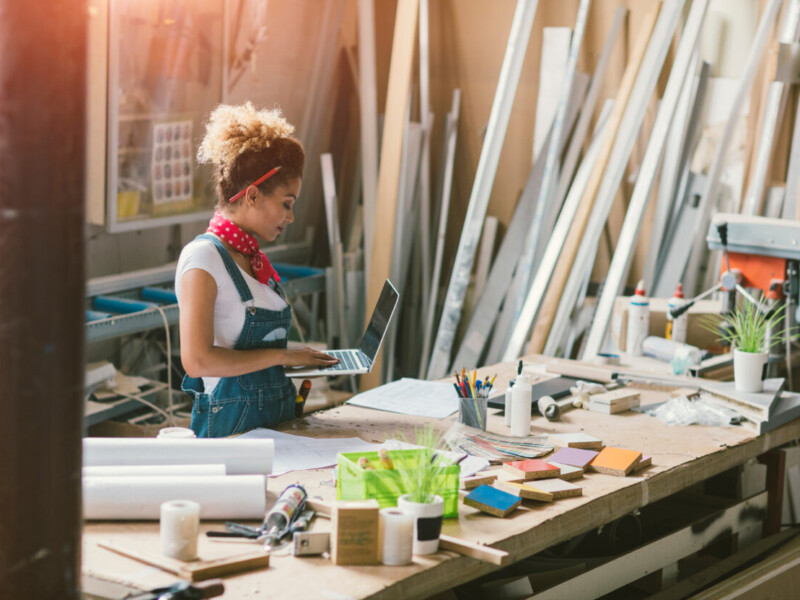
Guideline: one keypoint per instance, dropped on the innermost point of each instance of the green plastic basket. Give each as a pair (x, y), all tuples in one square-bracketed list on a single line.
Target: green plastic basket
[(385, 485)]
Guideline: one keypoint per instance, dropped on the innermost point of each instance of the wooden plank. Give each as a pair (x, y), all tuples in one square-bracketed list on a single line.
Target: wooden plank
[(548, 265), (552, 77), (195, 571), (368, 102), (397, 96), (451, 133), (484, 179), (723, 146), (479, 551)]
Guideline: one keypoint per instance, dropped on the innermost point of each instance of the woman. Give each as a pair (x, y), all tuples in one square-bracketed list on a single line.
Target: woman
[(234, 319)]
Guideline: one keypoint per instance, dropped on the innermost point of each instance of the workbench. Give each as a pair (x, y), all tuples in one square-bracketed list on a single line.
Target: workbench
[(681, 457)]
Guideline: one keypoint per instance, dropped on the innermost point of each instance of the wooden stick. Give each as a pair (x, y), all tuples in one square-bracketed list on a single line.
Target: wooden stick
[(473, 550), (196, 571)]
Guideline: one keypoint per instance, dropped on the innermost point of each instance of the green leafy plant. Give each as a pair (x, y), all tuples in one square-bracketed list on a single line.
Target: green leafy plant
[(748, 328), (421, 470)]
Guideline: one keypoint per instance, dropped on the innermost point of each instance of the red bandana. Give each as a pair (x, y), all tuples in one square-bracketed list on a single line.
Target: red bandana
[(245, 243)]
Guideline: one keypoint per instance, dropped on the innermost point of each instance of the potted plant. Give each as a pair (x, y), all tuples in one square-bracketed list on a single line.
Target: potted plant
[(420, 474), (752, 330)]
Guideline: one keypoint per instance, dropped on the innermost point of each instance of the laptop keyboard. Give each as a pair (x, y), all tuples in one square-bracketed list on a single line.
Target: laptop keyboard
[(348, 361)]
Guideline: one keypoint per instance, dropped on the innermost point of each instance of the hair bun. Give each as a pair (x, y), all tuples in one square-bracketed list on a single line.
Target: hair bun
[(232, 130)]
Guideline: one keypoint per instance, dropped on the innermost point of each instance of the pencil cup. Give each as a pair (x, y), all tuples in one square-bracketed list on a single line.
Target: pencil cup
[(472, 412)]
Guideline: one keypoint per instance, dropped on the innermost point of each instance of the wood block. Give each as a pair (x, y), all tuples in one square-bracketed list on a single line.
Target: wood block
[(568, 472), (616, 461), (521, 489), (532, 469), (644, 463), (354, 533), (492, 501), (575, 440), (557, 487), (470, 483), (576, 457), (611, 409), (620, 396)]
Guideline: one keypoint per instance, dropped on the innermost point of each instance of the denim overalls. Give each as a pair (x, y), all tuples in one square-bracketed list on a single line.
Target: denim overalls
[(260, 399)]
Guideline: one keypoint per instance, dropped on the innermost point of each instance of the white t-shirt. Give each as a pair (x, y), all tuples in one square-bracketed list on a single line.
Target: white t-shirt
[(229, 311)]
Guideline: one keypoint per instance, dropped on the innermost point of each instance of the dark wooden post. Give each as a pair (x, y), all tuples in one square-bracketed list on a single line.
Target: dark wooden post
[(42, 131)]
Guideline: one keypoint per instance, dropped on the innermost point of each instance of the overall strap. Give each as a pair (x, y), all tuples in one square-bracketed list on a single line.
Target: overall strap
[(231, 266)]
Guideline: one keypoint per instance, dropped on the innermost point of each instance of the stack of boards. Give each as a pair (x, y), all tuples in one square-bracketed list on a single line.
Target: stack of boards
[(501, 492)]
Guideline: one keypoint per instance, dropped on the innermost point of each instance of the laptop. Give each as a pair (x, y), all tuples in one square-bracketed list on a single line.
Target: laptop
[(359, 360)]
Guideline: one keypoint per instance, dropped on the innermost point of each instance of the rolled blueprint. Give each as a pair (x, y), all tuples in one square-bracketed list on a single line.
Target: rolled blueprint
[(132, 498), (154, 470), (240, 456)]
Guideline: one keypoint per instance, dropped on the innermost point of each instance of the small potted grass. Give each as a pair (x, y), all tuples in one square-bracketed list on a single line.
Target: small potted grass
[(752, 331), (420, 473)]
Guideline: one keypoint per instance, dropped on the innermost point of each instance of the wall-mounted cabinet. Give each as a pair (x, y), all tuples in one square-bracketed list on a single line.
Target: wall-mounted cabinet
[(155, 72)]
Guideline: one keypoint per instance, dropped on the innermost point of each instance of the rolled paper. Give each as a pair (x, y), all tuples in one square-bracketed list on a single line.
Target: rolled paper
[(240, 456), (396, 535), (140, 497), (179, 524), (154, 470)]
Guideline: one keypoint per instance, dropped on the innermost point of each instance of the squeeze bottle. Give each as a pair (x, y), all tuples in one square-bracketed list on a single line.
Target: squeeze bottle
[(638, 321), (676, 328), (521, 407)]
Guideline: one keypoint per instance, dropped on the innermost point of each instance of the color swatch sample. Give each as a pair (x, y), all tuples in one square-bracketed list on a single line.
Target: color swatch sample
[(576, 457), (558, 488), (523, 490), (616, 461), (470, 483), (576, 440), (492, 501), (568, 472), (532, 469)]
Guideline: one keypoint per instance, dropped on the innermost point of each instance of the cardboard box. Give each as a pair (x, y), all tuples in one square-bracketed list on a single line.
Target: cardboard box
[(697, 334), (354, 533)]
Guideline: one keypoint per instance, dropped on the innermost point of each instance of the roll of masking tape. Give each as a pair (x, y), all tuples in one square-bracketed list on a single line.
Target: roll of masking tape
[(397, 536), (180, 521), (176, 432)]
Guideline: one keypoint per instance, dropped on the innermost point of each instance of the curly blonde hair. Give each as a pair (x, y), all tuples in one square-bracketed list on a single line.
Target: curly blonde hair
[(244, 143)]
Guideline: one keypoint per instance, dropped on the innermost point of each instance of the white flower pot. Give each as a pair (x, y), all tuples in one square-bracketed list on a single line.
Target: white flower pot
[(748, 370), (427, 524)]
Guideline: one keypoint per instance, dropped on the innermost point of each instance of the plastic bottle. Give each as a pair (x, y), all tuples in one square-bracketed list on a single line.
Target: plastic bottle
[(289, 504), (521, 407), (638, 321), (676, 328), (507, 412)]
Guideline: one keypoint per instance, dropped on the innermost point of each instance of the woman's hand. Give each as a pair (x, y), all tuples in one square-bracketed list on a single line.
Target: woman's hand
[(308, 357)]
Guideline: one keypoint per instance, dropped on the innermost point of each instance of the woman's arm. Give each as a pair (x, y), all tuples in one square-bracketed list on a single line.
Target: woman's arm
[(199, 355)]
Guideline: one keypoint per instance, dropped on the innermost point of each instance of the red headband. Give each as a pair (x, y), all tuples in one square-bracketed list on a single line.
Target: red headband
[(258, 181)]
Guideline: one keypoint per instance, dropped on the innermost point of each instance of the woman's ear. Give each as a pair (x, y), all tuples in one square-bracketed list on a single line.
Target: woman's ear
[(251, 194)]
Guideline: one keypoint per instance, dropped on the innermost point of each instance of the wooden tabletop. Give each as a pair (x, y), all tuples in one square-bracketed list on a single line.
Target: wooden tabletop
[(681, 456)]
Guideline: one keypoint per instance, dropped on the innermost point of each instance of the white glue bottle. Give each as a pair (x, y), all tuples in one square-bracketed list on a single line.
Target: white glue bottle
[(521, 407), (676, 328), (638, 321)]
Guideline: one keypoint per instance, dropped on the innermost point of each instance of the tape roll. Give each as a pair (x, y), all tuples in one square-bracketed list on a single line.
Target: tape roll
[(396, 535), (179, 525), (177, 432)]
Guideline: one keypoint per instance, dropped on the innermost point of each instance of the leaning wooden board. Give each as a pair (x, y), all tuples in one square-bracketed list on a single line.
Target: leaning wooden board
[(680, 458)]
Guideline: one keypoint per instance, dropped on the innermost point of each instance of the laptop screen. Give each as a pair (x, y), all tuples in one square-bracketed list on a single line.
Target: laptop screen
[(381, 316)]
